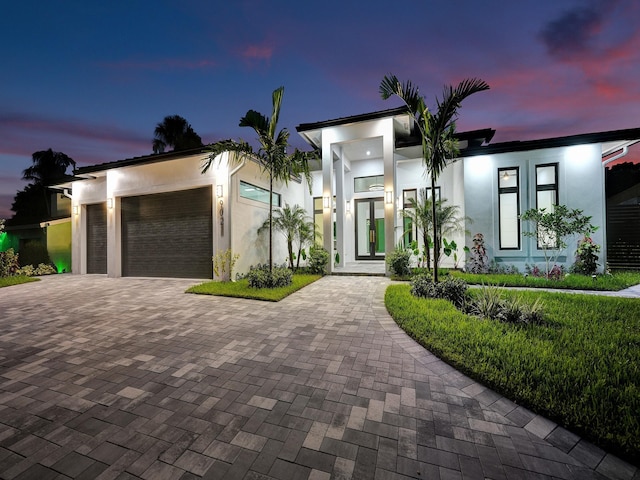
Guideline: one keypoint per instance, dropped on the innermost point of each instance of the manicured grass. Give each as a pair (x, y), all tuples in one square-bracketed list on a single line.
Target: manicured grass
[(581, 368), (16, 280), (241, 289), (616, 281)]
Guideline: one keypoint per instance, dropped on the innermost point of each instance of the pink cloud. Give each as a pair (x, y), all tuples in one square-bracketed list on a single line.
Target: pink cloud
[(258, 52)]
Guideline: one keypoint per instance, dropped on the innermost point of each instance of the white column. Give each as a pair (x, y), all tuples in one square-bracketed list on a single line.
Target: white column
[(388, 147), (327, 192), (340, 208)]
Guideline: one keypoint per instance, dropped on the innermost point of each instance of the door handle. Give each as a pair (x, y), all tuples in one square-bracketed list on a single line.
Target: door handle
[(372, 236)]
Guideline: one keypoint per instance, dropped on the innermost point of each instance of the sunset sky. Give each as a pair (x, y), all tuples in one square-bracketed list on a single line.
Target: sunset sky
[(92, 79)]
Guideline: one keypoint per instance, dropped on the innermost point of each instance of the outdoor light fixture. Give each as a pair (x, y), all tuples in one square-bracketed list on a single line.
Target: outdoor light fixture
[(505, 176), (75, 210), (348, 206), (326, 202), (109, 203), (388, 197), (218, 191)]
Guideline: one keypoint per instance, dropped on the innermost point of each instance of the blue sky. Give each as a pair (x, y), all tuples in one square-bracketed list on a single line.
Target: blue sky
[(92, 79)]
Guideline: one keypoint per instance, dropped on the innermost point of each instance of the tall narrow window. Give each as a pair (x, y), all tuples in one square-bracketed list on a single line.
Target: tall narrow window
[(547, 198), (509, 208), (409, 202), (318, 213)]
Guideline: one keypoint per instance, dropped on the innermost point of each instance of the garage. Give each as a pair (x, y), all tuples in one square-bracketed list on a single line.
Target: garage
[(97, 238), (168, 234)]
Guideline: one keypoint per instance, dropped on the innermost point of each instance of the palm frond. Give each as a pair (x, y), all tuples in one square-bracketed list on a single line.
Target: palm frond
[(241, 148), (277, 102), (407, 92), (255, 120)]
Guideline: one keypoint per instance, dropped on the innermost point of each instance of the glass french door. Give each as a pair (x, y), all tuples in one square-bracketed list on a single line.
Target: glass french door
[(369, 229)]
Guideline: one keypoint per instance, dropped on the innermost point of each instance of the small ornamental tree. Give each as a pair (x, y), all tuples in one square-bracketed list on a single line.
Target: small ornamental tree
[(554, 229)]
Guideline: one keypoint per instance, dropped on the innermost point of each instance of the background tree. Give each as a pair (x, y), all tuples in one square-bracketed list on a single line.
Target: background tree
[(271, 156), (174, 131), (437, 131), (32, 204)]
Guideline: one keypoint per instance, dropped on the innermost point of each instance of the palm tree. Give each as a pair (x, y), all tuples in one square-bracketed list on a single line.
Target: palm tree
[(293, 223), (47, 168), (437, 131), (448, 221), (174, 131), (307, 234), (271, 155)]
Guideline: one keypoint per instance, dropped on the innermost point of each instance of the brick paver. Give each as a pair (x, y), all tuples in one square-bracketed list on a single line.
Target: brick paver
[(131, 378)]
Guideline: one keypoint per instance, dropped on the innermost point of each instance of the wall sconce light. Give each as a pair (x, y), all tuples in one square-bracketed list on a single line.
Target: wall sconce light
[(326, 202), (75, 210), (388, 197), (218, 191), (348, 208), (109, 203)]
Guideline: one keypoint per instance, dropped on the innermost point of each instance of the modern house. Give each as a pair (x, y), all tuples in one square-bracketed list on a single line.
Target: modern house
[(159, 216)]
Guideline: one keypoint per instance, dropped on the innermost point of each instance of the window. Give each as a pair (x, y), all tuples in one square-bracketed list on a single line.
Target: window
[(368, 184), (547, 198), (509, 208), (409, 198), (258, 194)]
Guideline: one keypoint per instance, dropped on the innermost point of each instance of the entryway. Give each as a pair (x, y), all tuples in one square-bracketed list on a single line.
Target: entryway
[(369, 229)]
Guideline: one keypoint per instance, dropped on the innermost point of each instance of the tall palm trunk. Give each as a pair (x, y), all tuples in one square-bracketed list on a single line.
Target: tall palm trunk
[(435, 228), (271, 221)]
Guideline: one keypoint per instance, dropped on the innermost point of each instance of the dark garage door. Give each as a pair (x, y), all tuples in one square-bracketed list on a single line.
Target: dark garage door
[(97, 238), (168, 234)]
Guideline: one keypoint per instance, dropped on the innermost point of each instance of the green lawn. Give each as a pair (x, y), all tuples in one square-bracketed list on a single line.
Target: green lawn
[(581, 369), (16, 280), (614, 282), (241, 289)]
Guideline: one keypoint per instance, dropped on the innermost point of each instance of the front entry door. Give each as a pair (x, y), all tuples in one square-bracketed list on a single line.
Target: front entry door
[(370, 229)]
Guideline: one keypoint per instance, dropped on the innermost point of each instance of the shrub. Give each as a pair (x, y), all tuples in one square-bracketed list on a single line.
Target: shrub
[(586, 257), (490, 303), (479, 261), (318, 260), (41, 269), (34, 253), (557, 272), (495, 267), (399, 262), (451, 288), (259, 276), (223, 263), (8, 263)]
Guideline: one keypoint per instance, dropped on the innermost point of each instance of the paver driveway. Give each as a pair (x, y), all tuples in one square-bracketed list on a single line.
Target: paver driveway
[(126, 378)]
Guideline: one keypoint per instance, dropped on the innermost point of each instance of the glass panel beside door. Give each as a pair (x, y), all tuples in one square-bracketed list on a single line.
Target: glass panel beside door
[(369, 229)]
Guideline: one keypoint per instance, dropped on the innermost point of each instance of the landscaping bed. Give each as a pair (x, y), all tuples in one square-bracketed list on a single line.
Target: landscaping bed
[(241, 289), (580, 367), (16, 280)]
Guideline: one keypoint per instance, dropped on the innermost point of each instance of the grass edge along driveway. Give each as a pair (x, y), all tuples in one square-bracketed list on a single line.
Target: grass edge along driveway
[(581, 369)]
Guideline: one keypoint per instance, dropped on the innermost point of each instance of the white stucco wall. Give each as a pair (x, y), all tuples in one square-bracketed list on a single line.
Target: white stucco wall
[(580, 185)]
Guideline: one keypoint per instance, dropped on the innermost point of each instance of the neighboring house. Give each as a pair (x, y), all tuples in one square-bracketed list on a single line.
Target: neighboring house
[(159, 216)]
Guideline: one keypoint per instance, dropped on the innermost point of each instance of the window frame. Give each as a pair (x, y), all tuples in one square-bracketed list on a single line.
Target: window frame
[(277, 197), (509, 190), (547, 187)]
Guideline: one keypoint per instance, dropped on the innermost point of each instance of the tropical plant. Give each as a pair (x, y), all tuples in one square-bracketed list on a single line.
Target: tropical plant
[(586, 257), (174, 131), (399, 261), (223, 263), (479, 262), (306, 236), (271, 156), (553, 229), (8, 263), (318, 259), (452, 289), (295, 225), (448, 221), (451, 248), (437, 131), (266, 276)]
